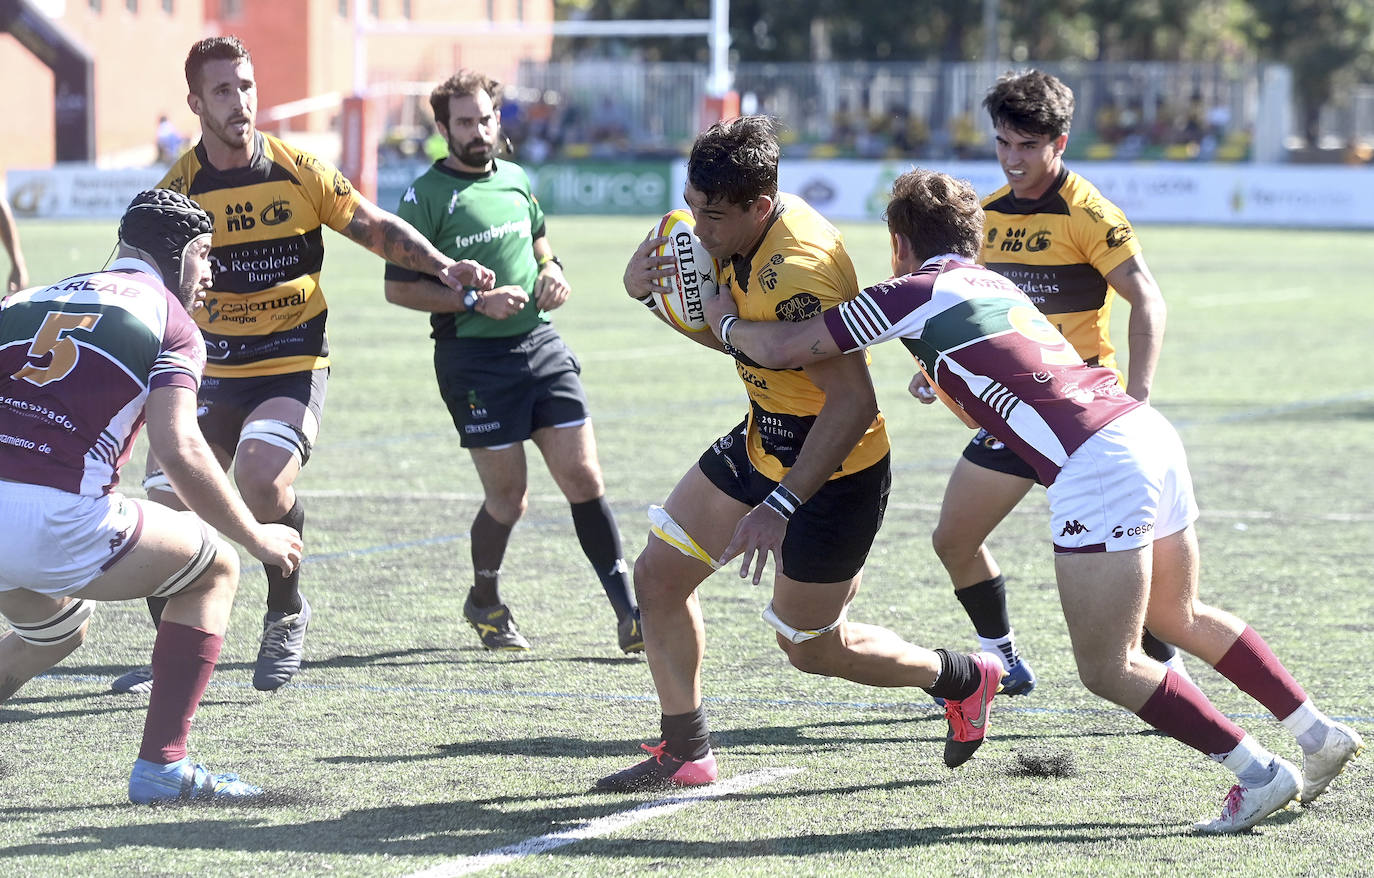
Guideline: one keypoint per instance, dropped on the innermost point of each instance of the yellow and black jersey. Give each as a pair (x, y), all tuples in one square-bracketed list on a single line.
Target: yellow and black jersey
[(799, 269), (1058, 249), (265, 313)]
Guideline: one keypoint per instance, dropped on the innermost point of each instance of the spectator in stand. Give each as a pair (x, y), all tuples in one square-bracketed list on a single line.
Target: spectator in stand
[(965, 135), (910, 136), (843, 128), (610, 128), (169, 141), (1108, 122)]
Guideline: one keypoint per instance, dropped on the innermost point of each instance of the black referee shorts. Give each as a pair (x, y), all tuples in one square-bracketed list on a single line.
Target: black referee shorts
[(500, 390)]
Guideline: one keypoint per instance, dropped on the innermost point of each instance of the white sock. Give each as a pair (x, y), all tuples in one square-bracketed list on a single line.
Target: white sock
[(1308, 725), (1002, 646), (1250, 763), (1176, 664)]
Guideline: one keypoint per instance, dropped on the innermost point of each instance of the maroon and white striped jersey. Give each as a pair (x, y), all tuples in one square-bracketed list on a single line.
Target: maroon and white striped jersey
[(77, 360), (988, 348)]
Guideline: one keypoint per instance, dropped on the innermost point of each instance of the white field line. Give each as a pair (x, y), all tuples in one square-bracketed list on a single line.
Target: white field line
[(1028, 508), (602, 826), (1249, 297)]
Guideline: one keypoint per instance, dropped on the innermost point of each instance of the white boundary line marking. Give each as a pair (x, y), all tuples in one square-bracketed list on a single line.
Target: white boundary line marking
[(1032, 507), (602, 826)]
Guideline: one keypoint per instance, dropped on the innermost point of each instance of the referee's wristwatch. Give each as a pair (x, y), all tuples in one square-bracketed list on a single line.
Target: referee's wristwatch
[(470, 299)]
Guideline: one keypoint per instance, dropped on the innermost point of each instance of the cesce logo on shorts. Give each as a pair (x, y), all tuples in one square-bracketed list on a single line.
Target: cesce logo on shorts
[(1137, 531)]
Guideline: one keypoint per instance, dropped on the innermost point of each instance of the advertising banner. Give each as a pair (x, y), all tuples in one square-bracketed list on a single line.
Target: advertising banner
[(1161, 192), (76, 191), (602, 187), (1240, 195)]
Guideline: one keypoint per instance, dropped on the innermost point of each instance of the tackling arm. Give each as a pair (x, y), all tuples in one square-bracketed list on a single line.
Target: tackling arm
[(780, 345), (1145, 330)]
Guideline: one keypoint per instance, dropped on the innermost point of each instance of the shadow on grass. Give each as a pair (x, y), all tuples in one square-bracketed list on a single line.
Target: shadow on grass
[(407, 657), (464, 829)]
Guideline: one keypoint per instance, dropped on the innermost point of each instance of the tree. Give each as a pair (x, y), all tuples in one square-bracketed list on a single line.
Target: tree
[(1319, 40)]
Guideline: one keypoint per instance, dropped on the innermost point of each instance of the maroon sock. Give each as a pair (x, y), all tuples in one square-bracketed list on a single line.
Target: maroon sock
[(1257, 672), (183, 660), (1180, 710)]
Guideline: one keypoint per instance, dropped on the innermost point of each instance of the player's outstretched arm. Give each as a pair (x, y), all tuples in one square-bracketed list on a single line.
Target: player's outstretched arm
[(396, 240), (780, 345), (179, 446)]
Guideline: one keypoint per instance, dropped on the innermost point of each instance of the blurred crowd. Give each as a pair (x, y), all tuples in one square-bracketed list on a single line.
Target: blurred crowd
[(543, 126)]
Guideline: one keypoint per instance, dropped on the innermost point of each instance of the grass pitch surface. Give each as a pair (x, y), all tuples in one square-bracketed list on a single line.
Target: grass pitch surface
[(403, 747)]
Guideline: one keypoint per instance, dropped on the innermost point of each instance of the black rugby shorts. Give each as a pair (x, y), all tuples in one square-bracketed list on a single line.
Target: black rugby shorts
[(224, 404), (829, 536)]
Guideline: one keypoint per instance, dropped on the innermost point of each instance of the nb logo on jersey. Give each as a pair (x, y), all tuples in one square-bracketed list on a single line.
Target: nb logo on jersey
[(1014, 241), (1072, 529), (239, 217)]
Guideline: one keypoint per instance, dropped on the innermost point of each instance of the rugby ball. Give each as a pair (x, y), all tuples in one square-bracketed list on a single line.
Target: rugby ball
[(694, 276)]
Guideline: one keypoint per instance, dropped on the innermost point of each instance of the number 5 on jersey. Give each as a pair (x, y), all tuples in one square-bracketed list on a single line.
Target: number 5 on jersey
[(53, 338)]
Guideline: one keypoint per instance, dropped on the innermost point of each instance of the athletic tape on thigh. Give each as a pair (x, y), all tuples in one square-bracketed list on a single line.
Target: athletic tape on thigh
[(661, 525), (62, 626), (199, 563), (156, 480), (278, 433), (795, 635)]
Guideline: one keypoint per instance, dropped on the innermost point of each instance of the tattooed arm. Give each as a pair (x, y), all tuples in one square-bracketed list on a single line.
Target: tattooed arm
[(396, 240)]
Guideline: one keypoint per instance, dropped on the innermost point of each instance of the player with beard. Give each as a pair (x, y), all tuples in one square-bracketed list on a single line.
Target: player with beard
[(503, 370), (264, 321), (84, 365)]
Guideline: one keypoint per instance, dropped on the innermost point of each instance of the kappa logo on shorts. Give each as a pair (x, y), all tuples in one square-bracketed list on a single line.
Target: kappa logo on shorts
[(119, 538), (1073, 529)]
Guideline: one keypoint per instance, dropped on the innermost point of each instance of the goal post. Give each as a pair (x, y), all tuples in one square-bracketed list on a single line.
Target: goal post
[(360, 118)]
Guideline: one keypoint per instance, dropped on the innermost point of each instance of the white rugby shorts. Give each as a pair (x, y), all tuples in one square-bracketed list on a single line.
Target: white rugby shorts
[(54, 542), (1124, 488)]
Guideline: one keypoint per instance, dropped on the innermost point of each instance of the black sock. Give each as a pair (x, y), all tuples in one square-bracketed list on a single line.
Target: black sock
[(1156, 648), (686, 734), (959, 676), (596, 531), (155, 607), (986, 605), (489, 539), (284, 592)]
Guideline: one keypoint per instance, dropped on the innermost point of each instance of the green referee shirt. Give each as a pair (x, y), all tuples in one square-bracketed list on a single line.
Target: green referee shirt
[(491, 217)]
